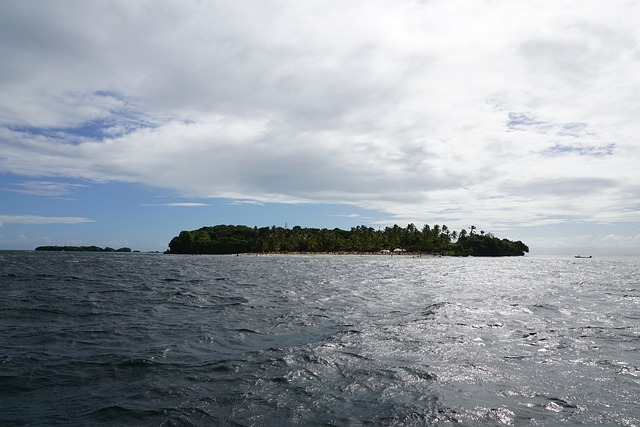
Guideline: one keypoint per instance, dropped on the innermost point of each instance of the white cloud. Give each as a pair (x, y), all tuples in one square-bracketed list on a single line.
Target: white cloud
[(597, 241), (45, 188), (504, 113), (245, 202), (35, 219), (178, 204)]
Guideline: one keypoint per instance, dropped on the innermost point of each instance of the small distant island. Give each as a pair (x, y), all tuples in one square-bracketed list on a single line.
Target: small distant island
[(436, 240), (80, 249)]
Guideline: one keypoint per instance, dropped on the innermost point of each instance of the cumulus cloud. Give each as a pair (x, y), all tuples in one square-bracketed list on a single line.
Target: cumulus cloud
[(504, 112)]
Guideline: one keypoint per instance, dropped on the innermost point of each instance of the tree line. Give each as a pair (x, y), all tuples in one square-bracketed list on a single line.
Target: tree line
[(231, 239)]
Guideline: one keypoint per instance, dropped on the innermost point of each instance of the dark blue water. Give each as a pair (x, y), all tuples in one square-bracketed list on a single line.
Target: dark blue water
[(161, 340)]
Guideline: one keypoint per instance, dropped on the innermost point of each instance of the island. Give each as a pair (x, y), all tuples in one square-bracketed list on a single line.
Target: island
[(80, 249), (436, 240)]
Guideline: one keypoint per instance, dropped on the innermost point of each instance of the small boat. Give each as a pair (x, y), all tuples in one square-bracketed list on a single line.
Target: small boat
[(580, 256)]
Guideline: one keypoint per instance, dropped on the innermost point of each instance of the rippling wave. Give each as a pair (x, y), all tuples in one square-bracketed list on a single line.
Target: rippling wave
[(137, 339)]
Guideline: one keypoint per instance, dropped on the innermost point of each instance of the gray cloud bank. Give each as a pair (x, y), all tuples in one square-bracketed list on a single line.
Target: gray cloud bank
[(504, 113)]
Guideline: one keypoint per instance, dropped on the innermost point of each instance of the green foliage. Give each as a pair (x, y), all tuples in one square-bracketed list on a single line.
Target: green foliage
[(487, 245), (220, 239), (230, 239)]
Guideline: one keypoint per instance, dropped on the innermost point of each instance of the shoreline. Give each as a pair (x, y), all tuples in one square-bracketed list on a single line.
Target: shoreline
[(345, 254)]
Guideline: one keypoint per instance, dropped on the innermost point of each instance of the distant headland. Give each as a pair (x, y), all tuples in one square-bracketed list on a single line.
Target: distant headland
[(80, 249), (436, 240)]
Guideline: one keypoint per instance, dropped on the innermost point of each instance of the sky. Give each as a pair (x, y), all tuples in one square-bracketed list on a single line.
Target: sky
[(124, 122)]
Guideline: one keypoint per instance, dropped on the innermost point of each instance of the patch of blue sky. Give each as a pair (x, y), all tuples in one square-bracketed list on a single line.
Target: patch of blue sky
[(581, 150), (109, 93), (525, 121), (98, 129), (573, 129), (303, 214), (517, 120), (145, 218), (116, 116), (528, 121), (48, 197)]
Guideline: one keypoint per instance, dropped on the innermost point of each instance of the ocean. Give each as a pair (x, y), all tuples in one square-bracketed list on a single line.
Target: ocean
[(101, 339)]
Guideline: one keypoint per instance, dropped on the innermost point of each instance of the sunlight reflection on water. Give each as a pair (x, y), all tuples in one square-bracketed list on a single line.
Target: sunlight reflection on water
[(103, 338)]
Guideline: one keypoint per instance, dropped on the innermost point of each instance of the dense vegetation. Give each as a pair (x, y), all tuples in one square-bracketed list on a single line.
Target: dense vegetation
[(229, 239), (80, 249)]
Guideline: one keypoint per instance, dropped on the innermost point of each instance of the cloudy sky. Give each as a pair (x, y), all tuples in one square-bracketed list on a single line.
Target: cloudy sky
[(124, 122)]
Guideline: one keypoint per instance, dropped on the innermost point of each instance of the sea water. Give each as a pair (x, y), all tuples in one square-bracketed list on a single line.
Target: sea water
[(168, 340)]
